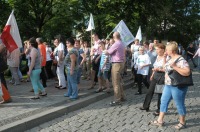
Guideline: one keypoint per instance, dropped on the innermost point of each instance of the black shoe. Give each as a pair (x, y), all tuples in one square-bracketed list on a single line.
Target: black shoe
[(142, 108), (123, 100), (113, 103), (62, 88), (138, 93), (58, 86)]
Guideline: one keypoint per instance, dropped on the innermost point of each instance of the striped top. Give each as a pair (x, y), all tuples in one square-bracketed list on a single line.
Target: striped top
[(105, 57)]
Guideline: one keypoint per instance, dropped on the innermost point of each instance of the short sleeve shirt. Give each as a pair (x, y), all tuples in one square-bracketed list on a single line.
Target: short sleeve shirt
[(182, 63), (143, 60), (135, 47), (43, 54), (59, 49), (68, 59), (158, 63)]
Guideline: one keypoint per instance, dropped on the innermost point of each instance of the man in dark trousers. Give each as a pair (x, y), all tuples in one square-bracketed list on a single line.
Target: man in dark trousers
[(190, 53)]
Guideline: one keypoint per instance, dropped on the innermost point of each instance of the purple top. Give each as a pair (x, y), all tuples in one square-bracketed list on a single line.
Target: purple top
[(116, 52)]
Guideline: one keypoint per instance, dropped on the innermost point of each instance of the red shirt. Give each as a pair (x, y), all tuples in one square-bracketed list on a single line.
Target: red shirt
[(42, 48)]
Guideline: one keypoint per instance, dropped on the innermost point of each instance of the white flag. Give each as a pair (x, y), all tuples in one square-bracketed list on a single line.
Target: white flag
[(139, 34), (91, 23), (126, 35), (10, 35)]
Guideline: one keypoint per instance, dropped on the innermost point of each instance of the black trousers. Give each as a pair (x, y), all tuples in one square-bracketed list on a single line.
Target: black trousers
[(43, 76), (3, 80), (135, 74), (140, 79), (48, 69), (149, 96), (190, 57)]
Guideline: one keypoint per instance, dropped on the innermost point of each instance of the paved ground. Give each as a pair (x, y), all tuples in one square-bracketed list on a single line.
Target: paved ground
[(22, 106), (126, 118)]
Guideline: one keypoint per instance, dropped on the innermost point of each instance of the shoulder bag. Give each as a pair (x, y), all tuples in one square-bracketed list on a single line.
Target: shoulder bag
[(178, 80), (159, 87)]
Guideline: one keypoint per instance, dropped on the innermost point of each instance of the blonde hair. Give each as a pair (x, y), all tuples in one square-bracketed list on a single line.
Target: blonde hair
[(173, 45)]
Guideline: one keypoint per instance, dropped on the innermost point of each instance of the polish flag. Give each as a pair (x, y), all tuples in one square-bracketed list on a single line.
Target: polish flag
[(10, 35)]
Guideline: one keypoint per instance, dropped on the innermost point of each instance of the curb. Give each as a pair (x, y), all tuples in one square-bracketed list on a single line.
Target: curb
[(38, 119)]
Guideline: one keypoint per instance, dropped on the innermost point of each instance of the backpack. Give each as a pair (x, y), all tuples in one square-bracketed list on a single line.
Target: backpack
[(3, 60)]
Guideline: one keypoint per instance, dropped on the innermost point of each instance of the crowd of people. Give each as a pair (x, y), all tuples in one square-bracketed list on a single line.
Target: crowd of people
[(104, 62)]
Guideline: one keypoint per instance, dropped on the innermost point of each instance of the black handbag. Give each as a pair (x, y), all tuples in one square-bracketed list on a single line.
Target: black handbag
[(160, 82), (178, 80)]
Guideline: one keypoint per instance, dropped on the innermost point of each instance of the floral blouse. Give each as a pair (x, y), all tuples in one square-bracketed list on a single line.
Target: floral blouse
[(182, 63), (68, 60)]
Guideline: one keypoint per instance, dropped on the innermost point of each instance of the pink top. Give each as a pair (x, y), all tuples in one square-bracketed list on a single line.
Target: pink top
[(197, 53), (96, 49), (116, 52)]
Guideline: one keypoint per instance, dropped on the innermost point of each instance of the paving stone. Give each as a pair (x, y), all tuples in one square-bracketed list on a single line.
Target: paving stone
[(101, 117)]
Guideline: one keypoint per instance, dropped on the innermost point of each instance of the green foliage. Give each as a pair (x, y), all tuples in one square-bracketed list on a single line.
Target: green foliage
[(165, 19)]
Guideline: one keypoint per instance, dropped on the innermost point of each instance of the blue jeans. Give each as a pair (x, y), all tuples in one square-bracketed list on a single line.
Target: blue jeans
[(72, 85), (178, 94), (199, 63), (35, 80)]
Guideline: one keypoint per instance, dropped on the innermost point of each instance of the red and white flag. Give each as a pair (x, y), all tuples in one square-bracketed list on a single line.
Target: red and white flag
[(10, 35)]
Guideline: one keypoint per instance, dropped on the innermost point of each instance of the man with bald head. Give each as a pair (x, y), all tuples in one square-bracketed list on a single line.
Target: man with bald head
[(116, 51)]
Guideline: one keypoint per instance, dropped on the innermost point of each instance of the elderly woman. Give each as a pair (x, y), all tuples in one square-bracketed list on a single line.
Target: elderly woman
[(71, 61), (35, 69), (157, 77), (143, 61), (173, 92)]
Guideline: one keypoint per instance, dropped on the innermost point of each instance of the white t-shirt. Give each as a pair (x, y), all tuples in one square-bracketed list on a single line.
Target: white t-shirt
[(60, 48), (143, 60), (134, 48), (48, 53)]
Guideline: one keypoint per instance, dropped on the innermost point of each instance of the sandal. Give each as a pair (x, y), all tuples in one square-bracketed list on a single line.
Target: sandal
[(156, 123), (180, 126)]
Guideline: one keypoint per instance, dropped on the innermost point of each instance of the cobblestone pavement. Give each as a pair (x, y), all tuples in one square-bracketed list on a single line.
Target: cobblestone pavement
[(22, 106), (126, 118)]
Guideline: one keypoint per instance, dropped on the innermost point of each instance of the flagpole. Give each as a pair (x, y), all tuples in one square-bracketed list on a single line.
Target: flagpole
[(91, 39), (108, 35)]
